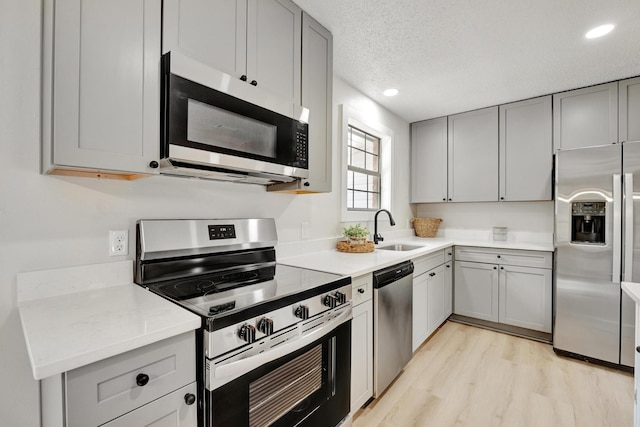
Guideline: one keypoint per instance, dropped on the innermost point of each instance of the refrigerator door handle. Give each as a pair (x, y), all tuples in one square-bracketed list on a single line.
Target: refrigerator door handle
[(617, 228), (628, 227)]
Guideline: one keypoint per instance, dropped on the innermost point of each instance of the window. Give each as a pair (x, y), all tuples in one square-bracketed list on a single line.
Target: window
[(367, 160), (363, 170)]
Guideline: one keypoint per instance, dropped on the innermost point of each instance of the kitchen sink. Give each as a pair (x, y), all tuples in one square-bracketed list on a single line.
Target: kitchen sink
[(399, 247)]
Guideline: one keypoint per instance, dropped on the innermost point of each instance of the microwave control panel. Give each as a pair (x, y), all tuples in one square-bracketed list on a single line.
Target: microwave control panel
[(302, 148)]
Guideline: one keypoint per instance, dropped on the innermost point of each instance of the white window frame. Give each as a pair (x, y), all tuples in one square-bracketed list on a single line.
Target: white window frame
[(358, 119)]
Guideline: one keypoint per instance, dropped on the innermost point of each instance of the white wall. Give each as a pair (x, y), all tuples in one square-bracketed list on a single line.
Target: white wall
[(535, 217), (48, 222)]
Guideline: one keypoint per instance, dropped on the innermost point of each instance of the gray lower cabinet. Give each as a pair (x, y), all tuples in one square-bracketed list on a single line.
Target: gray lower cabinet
[(101, 87), (586, 117), (150, 386), (476, 290), (362, 341), (431, 294), (525, 297), (526, 150), (509, 287), (168, 411), (473, 156)]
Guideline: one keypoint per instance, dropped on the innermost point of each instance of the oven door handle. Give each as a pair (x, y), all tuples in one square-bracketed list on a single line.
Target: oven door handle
[(240, 367)]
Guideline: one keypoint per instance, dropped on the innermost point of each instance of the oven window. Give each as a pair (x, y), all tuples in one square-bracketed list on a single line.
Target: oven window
[(213, 126), (281, 390), (309, 387)]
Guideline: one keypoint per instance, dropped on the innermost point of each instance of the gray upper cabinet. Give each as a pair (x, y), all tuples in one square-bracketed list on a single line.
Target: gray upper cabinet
[(317, 96), (213, 32), (101, 90), (586, 117), (429, 161), (473, 156), (258, 39), (629, 109), (526, 152)]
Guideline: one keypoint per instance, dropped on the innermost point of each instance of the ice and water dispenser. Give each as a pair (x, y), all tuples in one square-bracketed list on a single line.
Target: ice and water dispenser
[(588, 222)]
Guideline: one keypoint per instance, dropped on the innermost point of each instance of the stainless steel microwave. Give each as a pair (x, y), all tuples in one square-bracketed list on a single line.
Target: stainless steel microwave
[(217, 127)]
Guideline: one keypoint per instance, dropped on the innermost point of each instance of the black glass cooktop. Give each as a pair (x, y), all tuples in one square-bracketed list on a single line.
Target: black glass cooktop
[(201, 286), (225, 294)]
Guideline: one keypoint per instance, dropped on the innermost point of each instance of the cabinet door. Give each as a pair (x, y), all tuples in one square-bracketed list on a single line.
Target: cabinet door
[(629, 109), (171, 410), (436, 299), (317, 96), (586, 117), (429, 161), (106, 87), (448, 290), (420, 304), (526, 150), (361, 354), (476, 290), (274, 29), (213, 32), (106, 389), (525, 297), (473, 156)]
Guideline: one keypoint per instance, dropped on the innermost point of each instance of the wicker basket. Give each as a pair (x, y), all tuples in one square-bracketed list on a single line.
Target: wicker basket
[(426, 227), (355, 247)]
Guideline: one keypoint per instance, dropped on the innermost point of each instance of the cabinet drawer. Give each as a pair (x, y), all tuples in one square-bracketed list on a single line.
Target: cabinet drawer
[(170, 410), (362, 289), (104, 390), (448, 254), (522, 258), (427, 262)]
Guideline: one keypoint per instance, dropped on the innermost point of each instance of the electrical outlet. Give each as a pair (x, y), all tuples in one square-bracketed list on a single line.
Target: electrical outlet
[(304, 230), (118, 242)]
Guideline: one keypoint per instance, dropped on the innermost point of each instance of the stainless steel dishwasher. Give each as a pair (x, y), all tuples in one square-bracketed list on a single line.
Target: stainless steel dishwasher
[(392, 314)]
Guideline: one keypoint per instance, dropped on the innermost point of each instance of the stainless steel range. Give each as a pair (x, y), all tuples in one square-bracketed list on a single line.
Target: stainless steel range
[(274, 348)]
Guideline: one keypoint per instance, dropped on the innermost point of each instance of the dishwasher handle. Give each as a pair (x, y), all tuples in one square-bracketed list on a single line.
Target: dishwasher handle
[(391, 274)]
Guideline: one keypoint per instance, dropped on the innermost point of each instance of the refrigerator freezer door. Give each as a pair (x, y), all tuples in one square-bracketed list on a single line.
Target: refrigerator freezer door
[(587, 320)]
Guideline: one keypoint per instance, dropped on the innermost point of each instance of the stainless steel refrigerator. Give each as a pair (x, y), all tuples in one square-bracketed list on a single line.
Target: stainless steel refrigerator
[(597, 234)]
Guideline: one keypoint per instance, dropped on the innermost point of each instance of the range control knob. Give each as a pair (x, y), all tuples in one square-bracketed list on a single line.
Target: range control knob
[(265, 326), (330, 301), (302, 312), (247, 333), (341, 297)]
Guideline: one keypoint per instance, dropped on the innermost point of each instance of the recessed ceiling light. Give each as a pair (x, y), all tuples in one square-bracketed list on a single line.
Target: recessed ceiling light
[(390, 92), (599, 31)]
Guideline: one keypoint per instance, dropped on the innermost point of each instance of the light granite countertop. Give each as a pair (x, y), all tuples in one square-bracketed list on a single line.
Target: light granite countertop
[(633, 290), (356, 264), (75, 316)]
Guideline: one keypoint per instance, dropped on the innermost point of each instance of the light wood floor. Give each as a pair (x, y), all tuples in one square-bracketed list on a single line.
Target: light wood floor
[(467, 376)]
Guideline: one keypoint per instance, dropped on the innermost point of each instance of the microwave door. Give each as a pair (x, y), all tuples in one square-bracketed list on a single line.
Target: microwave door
[(222, 129)]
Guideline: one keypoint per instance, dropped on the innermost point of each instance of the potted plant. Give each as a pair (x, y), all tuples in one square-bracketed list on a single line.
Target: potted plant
[(356, 233)]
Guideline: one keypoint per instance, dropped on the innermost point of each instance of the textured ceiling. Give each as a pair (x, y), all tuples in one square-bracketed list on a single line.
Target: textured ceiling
[(450, 56)]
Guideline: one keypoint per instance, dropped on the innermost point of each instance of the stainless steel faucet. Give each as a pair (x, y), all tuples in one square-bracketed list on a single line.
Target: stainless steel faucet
[(377, 237)]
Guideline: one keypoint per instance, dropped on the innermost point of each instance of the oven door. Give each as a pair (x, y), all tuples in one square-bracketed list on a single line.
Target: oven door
[(309, 386)]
